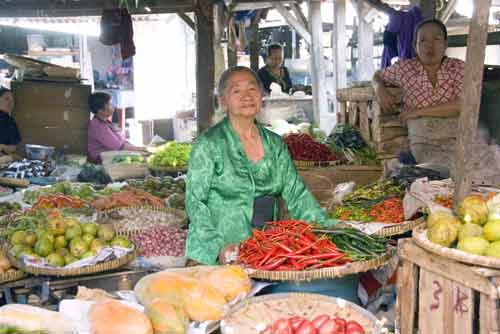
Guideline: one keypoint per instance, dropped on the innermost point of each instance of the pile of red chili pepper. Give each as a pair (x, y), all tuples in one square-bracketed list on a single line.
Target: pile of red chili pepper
[(59, 202), (389, 211), (289, 246), (304, 148)]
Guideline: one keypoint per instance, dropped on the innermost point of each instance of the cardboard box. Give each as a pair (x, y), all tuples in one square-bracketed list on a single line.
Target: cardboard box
[(38, 94), (70, 139), (52, 116)]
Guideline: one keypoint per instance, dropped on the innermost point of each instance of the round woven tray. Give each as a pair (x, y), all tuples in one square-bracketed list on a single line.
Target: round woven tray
[(12, 276), (399, 229), (324, 273), (88, 270), (420, 237), (301, 164), (249, 315)]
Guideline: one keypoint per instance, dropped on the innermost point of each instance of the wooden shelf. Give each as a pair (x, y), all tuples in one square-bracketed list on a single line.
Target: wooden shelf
[(53, 53)]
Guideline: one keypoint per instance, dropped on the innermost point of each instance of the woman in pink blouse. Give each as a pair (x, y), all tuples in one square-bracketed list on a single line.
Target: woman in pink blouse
[(432, 86), (102, 134)]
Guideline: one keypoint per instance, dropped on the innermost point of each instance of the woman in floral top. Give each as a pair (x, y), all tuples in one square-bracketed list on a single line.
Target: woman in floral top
[(432, 83), (231, 166)]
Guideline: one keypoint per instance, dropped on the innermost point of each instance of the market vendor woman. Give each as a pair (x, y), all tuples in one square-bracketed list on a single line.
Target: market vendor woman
[(102, 134), (233, 167), (9, 133), (432, 85)]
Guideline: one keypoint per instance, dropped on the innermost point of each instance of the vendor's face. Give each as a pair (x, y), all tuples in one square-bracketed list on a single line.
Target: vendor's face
[(7, 102), (107, 111), (242, 97), (430, 45), (276, 58)]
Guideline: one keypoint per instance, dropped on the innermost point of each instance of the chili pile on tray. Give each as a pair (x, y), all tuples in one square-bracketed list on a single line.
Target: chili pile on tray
[(289, 246), (304, 148)]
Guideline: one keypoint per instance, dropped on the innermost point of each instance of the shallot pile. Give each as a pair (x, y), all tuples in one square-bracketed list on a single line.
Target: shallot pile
[(161, 240)]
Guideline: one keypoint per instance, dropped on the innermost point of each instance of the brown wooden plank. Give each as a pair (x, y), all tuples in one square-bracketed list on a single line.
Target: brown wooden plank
[(364, 121), (393, 146), (407, 297), (342, 114), (431, 310), (205, 63), (449, 269), (469, 115), (353, 113), (361, 94), (488, 315), (381, 133), (462, 309)]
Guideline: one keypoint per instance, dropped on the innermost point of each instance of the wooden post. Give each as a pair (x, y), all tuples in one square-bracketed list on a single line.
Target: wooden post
[(365, 68), (232, 56), (320, 102), (469, 114), (254, 41), (205, 81), (339, 46)]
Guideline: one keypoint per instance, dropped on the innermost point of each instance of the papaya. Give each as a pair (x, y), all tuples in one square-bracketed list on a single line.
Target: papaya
[(203, 303), (230, 281), (167, 318)]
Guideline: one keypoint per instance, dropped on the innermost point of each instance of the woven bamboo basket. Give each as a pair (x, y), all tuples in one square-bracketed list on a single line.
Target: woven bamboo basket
[(420, 237), (11, 276), (402, 228), (87, 270), (304, 165), (323, 273), (252, 314)]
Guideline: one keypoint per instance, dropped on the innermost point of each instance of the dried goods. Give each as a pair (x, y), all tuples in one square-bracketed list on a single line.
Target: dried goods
[(128, 198)]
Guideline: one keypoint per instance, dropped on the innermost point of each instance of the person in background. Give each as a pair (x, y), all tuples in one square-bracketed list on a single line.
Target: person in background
[(274, 71), (9, 133), (103, 135)]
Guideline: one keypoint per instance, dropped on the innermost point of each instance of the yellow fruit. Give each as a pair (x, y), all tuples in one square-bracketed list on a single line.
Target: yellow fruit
[(473, 210), (473, 245), (440, 216), (469, 230), (491, 231), (443, 233), (493, 249)]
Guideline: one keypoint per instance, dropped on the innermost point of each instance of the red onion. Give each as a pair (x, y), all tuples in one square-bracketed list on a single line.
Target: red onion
[(161, 240)]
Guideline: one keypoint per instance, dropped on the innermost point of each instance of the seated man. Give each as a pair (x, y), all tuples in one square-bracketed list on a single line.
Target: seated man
[(274, 71)]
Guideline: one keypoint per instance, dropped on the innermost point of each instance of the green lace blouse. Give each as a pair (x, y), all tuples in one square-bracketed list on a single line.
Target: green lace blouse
[(222, 184)]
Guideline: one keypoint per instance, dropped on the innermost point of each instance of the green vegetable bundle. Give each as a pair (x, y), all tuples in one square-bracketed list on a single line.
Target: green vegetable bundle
[(172, 154)]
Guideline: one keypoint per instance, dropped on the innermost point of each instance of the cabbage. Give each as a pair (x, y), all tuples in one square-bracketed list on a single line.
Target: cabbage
[(473, 210), (439, 216)]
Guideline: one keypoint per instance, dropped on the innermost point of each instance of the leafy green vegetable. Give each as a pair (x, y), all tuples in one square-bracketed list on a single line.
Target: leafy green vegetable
[(172, 154)]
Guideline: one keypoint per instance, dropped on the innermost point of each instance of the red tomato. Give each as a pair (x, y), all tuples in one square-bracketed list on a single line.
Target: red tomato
[(296, 322), (320, 320), (328, 327), (354, 327), (283, 326), (267, 330), (341, 326), (306, 327)]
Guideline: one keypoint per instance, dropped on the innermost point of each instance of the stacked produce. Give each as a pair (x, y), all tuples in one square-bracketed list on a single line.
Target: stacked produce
[(167, 187), (378, 202), (475, 229), (5, 265), (171, 298), (346, 140), (59, 239), (322, 324), (128, 159), (295, 246), (171, 154), (7, 208), (128, 198), (93, 174), (70, 203), (82, 191), (303, 147), (161, 240)]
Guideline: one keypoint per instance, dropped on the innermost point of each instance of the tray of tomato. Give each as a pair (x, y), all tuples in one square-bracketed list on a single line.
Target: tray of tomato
[(299, 313)]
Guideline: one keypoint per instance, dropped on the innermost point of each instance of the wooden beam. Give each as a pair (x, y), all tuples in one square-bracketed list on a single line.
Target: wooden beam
[(38, 8), (188, 20), (456, 41), (205, 63), (318, 68), (254, 5), (294, 23), (381, 6), (339, 44), (299, 14), (469, 114), (448, 11), (365, 68), (254, 40)]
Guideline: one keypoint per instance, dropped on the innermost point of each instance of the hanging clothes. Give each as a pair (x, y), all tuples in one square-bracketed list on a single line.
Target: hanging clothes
[(117, 27), (398, 35)]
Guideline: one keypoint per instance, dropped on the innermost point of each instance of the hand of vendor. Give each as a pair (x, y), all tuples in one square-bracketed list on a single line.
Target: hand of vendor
[(228, 254)]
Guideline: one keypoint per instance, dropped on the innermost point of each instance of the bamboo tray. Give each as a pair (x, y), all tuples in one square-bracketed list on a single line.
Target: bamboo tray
[(87, 270), (420, 237), (399, 229), (324, 273), (12, 276), (301, 164), (254, 314)]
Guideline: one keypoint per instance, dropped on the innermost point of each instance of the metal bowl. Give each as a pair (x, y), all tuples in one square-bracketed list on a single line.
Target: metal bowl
[(39, 152)]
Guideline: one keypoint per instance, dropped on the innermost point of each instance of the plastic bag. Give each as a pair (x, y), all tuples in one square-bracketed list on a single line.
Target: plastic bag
[(342, 190), (230, 281), (116, 317), (167, 318), (26, 318)]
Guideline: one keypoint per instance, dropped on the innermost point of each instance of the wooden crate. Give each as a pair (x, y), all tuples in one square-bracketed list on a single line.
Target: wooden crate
[(381, 130), (442, 296)]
